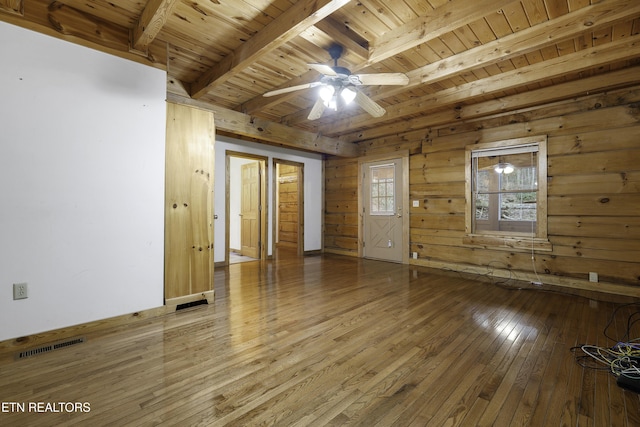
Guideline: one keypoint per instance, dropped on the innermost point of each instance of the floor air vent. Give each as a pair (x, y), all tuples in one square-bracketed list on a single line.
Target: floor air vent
[(46, 348), (191, 304)]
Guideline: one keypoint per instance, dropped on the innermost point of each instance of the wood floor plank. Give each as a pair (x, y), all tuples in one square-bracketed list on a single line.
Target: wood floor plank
[(332, 340)]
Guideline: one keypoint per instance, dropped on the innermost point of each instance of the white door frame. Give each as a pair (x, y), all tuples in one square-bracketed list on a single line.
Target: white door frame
[(362, 162)]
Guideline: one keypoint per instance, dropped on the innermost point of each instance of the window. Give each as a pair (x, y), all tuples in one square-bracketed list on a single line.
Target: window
[(507, 194), (383, 199)]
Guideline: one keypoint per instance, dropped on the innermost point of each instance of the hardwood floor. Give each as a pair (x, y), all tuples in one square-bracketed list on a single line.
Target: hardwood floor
[(330, 340)]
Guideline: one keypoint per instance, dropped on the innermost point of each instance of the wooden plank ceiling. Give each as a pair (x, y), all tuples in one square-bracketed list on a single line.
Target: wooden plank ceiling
[(225, 54)]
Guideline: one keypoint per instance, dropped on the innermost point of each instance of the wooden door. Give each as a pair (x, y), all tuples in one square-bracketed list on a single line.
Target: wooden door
[(382, 210), (189, 175), (250, 210), (290, 205)]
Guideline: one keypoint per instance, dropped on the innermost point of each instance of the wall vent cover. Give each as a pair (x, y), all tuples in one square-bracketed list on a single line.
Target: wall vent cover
[(46, 348), (191, 304)]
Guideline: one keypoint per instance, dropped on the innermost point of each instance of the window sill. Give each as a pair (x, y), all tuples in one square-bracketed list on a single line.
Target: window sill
[(511, 243)]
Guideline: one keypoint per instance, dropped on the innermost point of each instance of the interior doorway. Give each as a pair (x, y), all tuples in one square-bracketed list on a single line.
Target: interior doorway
[(289, 202), (246, 190), (385, 207)]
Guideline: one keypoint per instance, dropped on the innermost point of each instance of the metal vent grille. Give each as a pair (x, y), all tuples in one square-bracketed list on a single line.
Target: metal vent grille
[(191, 304), (50, 347)]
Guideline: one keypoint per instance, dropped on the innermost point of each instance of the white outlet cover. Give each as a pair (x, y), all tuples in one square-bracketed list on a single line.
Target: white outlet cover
[(20, 291), (416, 203)]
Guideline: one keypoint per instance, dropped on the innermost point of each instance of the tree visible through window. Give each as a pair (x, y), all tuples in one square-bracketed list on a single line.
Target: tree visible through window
[(506, 190)]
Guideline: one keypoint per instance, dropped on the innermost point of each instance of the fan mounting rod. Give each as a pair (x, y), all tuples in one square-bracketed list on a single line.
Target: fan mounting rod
[(335, 50)]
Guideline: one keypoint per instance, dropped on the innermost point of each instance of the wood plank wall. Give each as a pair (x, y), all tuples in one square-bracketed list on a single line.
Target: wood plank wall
[(593, 190), (288, 205)]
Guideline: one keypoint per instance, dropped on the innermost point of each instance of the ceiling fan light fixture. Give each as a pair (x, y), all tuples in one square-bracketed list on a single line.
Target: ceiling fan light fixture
[(348, 95), (326, 93), (504, 168)]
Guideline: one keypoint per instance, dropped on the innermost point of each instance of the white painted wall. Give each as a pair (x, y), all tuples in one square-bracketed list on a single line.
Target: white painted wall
[(81, 182), (312, 190)]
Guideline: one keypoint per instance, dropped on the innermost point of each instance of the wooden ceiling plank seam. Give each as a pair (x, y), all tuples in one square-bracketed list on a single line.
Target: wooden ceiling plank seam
[(499, 24), (537, 13), (121, 13), (577, 4), (525, 42), (362, 21), (151, 22), (389, 12), (213, 31), (287, 26), (516, 17), (442, 20), (582, 60), (556, 8)]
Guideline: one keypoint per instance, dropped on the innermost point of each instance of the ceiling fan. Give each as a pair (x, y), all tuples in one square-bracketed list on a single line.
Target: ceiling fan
[(339, 87)]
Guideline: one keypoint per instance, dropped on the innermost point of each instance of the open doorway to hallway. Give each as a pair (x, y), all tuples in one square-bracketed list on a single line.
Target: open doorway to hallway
[(246, 207)]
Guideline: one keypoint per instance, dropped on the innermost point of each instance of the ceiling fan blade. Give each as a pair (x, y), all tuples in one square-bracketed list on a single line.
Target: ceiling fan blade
[(322, 68), (369, 105), (317, 110), (398, 79), (291, 89)]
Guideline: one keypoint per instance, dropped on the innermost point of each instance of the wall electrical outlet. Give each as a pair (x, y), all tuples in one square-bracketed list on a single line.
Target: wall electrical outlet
[(593, 277), (416, 203), (20, 291), (415, 255)]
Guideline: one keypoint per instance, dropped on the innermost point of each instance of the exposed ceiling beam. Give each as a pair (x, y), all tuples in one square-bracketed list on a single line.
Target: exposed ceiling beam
[(548, 33), (15, 7), (453, 15), (285, 27), (590, 18), (448, 17), (64, 22), (270, 132), (330, 32), (345, 37), (614, 80), (591, 58), (151, 21)]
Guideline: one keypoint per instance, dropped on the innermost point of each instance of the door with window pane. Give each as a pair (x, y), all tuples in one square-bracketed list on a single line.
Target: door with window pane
[(382, 210)]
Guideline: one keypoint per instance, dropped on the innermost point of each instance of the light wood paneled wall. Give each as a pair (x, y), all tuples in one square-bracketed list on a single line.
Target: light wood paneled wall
[(341, 206), (188, 204), (593, 192)]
